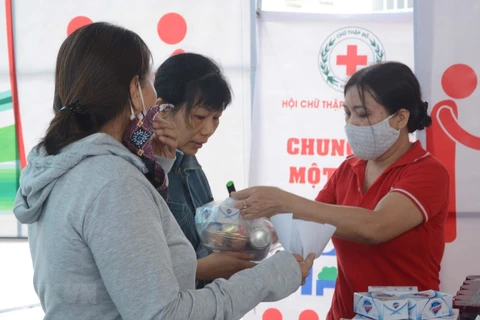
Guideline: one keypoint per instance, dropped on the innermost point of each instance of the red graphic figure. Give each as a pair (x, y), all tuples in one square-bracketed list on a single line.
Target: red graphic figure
[(308, 315), (272, 314), (77, 23), (172, 29), (459, 81), (351, 60), (275, 314)]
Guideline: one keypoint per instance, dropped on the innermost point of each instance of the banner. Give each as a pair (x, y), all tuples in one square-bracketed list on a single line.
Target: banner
[(447, 65), (298, 137), (221, 31)]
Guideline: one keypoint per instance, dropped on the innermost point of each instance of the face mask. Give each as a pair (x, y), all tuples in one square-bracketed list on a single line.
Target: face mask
[(138, 139), (370, 142)]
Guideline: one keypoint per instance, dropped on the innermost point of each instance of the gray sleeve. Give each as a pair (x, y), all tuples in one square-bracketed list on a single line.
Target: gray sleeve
[(165, 163), (124, 231)]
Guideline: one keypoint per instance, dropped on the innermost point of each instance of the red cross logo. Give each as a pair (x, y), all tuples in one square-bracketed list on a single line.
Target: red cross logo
[(351, 60)]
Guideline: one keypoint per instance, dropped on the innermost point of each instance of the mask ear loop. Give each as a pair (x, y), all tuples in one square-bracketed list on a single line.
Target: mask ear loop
[(132, 114), (141, 96)]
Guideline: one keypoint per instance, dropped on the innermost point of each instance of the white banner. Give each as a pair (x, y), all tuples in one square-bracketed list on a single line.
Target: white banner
[(218, 29), (298, 119), (447, 65)]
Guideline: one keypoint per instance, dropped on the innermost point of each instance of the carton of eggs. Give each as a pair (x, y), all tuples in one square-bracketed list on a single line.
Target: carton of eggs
[(221, 228)]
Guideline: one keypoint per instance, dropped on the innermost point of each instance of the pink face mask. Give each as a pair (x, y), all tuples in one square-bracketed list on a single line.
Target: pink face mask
[(138, 139)]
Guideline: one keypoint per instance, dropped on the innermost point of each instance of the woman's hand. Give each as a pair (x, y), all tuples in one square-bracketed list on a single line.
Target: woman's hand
[(165, 137), (305, 265), (258, 202), (223, 265)]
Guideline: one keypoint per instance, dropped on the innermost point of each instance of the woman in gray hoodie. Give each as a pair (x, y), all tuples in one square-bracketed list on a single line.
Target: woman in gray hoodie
[(103, 242)]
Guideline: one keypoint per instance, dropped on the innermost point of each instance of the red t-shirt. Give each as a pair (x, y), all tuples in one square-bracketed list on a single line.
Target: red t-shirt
[(411, 259)]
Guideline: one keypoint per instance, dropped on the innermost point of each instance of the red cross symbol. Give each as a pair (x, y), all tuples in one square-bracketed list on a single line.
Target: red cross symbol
[(352, 60)]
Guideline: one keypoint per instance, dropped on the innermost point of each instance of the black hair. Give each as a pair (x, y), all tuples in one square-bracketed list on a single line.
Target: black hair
[(190, 80), (95, 66), (393, 85)]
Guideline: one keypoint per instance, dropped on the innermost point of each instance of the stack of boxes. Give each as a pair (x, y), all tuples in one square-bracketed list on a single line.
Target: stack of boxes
[(403, 303), (467, 300)]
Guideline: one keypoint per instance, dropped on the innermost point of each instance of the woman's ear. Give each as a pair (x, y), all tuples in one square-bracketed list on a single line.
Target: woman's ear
[(135, 95), (401, 120)]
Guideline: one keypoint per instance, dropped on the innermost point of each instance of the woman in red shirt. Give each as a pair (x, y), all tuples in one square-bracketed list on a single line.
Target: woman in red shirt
[(389, 201)]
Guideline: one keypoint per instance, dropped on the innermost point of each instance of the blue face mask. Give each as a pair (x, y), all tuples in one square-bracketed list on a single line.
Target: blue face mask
[(370, 142)]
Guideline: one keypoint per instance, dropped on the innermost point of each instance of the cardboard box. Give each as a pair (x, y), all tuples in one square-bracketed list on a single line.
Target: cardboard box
[(393, 289), (463, 301), (475, 282), (473, 297), (359, 316), (454, 316), (428, 305), (380, 306), (470, 287), (469, 293)]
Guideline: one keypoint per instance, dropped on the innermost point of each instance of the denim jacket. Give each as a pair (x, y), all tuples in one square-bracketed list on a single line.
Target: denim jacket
[(188, 189)]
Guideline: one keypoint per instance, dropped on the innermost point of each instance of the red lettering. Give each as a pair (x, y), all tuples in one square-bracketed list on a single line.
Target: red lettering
[(292, 146), (323, 147), (349, 150), (338, 147), (328, 172), (297, 175), (314, 175), (308, 147)]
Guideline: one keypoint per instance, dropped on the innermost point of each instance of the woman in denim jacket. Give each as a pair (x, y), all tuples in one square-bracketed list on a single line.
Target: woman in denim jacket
[(200, 93)]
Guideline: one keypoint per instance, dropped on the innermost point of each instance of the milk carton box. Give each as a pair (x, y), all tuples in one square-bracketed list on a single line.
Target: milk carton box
[(393, 289), (472, 282), (428, 304), (454, 316), (380, 305), (359, 316)]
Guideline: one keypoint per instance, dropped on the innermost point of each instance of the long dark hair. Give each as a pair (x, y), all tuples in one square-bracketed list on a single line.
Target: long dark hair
[(95, 66)]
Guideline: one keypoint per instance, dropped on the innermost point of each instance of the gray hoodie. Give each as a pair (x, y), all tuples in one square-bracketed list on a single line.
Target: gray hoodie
[(105, 245)]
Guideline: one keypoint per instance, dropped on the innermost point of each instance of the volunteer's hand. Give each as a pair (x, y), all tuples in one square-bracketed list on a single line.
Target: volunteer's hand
[(258, 202), (223, 265)]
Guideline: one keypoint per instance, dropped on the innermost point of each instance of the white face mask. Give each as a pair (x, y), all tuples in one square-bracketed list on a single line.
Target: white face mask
[(370, 142)]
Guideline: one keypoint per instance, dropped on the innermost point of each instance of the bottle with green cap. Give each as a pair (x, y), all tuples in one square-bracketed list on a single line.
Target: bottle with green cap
[(230, 188)]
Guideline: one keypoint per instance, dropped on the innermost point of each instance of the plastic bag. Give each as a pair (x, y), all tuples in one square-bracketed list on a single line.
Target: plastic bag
[(221, 228)]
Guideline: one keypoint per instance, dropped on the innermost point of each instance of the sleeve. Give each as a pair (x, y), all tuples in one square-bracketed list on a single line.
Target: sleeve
[(426, 183), (328, 193), (124, 231), (165, 163)]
